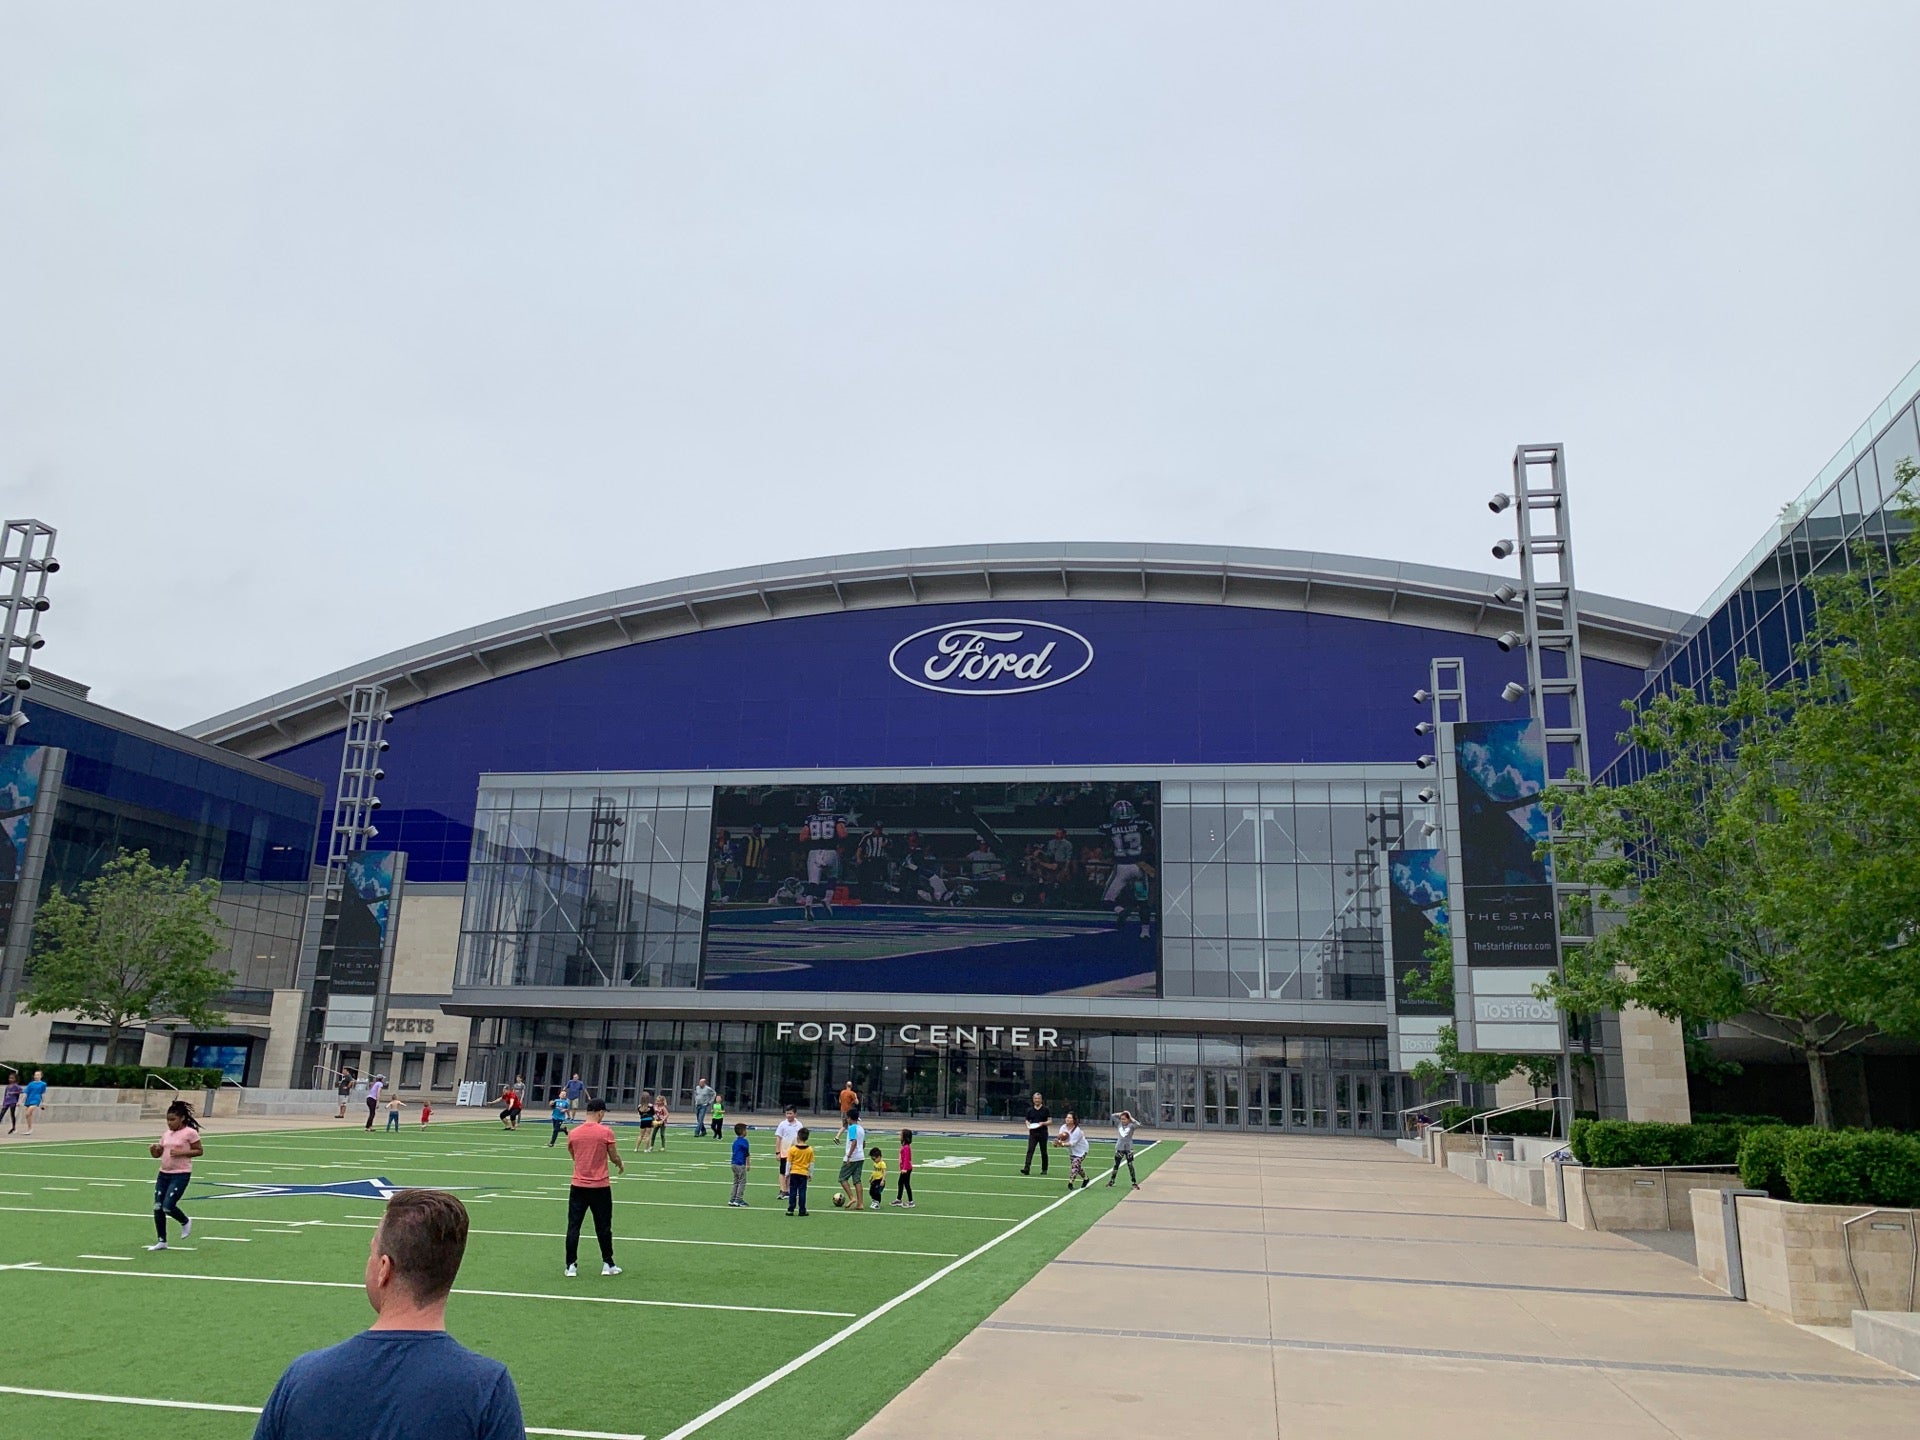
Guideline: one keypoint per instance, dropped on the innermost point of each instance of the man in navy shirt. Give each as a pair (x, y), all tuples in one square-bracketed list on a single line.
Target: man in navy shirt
[(404, 1378)]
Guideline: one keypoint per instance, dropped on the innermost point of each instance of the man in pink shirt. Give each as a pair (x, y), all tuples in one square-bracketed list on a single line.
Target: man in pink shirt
[(592, 1146)]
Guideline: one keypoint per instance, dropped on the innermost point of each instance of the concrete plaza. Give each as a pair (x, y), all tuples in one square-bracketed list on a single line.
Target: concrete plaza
[(1312, 1287)]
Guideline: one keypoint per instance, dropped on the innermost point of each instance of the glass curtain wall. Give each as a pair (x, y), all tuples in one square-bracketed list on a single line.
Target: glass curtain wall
[(586, 886), (1267, 887), (1267, 890), (1766, 615)]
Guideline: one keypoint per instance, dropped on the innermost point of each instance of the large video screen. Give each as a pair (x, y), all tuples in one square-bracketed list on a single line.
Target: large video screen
[(1000, 889)]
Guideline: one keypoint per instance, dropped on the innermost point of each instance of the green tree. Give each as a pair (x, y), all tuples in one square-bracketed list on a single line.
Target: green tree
[(1762, 874), (1436, 987), (130, 944)]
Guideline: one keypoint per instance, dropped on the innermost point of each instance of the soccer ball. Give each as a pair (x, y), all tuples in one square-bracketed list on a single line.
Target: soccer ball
[(840, 1199)]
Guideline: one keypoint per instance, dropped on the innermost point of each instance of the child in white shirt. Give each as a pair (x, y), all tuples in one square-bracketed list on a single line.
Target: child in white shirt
[(1075, 1139)]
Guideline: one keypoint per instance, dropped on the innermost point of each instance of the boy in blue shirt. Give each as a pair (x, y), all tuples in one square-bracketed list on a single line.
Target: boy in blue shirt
[(36, 1096), (739, 1200), (562, 1112)]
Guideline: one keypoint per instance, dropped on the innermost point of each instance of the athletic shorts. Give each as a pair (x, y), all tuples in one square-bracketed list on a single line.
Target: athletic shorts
[(783, 1164), (849, 1171)]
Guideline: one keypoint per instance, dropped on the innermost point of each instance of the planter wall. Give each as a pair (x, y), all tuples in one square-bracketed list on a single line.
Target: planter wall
[(1468, 1166), (1796, 1264), (1449, 1143), (1518, 1181), (1632, 1199)]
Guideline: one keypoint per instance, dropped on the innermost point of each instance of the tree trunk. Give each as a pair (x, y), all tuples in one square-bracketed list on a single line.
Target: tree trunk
[(1822, 1091), (114, 1028)]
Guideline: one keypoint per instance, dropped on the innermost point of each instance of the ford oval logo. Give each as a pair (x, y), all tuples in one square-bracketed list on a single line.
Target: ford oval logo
[(991, 657)]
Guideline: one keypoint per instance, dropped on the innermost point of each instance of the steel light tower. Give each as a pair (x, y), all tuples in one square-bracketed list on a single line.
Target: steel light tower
[(26, 560), (354, 805), (1555, 688)]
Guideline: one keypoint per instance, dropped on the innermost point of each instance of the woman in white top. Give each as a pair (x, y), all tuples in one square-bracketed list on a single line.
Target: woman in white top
[(1124, 1125)]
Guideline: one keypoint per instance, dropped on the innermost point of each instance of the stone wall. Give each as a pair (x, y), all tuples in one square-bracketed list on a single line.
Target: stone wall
[(1795, 1259), (1630, 1199)]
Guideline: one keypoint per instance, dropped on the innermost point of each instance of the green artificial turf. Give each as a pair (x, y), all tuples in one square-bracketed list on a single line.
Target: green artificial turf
[(618, 1369)]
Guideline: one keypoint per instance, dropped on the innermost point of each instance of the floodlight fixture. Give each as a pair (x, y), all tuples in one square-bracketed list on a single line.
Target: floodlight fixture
[(1428, 827), (1502, 549), (1424, 762), (1505, 594), (1428, 796), (1514, 691), (1421, 697), (1499, 502), (1510, 639), (1425, 727)]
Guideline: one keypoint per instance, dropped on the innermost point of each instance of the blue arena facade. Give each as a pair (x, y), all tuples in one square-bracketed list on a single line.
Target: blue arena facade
[(961, 824)]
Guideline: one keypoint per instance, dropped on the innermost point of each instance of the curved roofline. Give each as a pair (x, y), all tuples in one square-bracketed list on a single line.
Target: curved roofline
[(1624, 631)]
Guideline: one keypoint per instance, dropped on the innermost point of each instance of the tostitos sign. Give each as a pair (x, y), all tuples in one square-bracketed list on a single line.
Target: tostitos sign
[(991, 657)]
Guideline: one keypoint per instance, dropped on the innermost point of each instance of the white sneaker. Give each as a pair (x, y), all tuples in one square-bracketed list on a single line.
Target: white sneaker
[(186, 1230), (609, 1269), (161, 1246), (572, 1270)]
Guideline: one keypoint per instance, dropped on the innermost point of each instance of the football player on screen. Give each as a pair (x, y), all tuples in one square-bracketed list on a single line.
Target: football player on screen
[(824, 832), (1128, 887)]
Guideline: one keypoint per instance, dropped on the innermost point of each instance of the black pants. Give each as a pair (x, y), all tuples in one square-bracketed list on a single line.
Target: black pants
[(11, 1114), (167, 1190), (598, 1199), (1118, 1156), (903, 1187), (372, 1105), (559, 1129), (1036, 1140), (797, 1193)]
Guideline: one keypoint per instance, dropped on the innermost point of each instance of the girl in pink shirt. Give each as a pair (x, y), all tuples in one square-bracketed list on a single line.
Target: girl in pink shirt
[(177, 1149)]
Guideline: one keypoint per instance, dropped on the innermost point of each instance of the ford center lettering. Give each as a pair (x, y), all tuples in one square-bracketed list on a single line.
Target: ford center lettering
[(991, 657)]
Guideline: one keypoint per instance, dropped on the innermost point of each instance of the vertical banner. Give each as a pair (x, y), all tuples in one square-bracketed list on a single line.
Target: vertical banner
[(1416, 902), (360, 939), (1505, 940), (362, 944), (21, 769)]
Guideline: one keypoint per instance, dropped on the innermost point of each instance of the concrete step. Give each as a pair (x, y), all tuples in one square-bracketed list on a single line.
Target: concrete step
[(1889, 1335)]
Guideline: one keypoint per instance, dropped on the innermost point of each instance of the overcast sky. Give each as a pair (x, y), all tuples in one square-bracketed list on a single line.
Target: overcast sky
[(329, 328)]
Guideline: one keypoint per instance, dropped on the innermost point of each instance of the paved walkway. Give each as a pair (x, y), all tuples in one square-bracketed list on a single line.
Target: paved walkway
[(1303, 1287)]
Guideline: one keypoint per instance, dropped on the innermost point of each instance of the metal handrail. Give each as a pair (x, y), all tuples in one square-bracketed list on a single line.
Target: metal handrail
[(1537, 1101), (1912, 1229), (148, 1084)]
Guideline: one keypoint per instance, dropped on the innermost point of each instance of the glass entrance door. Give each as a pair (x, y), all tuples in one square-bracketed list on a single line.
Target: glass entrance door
[(1221, 1099), (674, 1077)]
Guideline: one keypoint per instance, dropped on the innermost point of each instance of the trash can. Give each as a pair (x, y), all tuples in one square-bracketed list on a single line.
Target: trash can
[(1498, 1147)]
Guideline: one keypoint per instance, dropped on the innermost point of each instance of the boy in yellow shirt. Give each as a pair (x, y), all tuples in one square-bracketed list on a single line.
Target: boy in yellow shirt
[(799, 1172), (876, 1179)]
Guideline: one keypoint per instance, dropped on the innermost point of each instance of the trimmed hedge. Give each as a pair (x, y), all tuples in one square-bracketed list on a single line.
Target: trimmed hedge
[(113, 1077), (1515, 1122), (1748, 1120), (1617, 1144), (1833, 1167)]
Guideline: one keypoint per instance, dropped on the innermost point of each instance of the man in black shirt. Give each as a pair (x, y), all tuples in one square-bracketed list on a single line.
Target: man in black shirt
[(1037, 1121)]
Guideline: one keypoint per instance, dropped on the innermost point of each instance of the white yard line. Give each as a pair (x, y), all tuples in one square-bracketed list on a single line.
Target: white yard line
[(288, 1227), (800, 1362), (255, 1410), (103, 1257), (34, 1267)]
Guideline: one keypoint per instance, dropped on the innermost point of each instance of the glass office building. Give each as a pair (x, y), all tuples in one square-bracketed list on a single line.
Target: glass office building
[(1761, 611), (130, 786)]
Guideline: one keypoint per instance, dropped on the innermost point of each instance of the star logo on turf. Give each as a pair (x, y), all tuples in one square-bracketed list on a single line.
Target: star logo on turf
[(376, 1188)]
